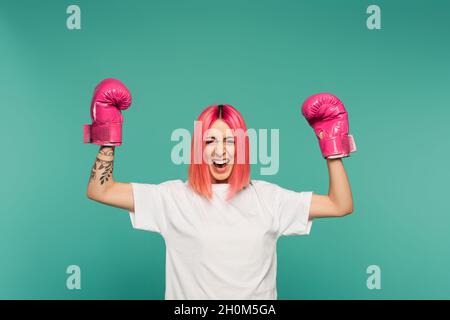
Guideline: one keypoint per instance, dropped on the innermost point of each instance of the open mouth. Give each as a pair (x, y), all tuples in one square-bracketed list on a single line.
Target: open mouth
[(221, 163)]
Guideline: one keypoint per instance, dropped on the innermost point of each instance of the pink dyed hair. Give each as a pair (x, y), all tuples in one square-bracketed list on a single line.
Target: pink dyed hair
[(199, 176)]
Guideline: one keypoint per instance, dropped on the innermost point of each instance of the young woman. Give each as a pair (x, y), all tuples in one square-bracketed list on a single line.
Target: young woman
[(220, 227)]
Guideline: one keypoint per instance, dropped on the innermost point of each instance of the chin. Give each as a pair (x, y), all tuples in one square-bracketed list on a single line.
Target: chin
[(220, 178), (223, 179)]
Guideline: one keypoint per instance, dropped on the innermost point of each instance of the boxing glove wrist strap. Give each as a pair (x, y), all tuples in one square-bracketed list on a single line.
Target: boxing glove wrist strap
[(337, 147), (104, 134)]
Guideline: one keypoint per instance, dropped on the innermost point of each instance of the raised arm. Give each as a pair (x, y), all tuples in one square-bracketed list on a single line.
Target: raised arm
[(109, 98), (339, 201), (102, 188), (326, 114)]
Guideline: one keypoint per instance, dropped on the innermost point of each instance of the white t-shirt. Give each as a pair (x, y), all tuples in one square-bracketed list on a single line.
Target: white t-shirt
[(217, 249)]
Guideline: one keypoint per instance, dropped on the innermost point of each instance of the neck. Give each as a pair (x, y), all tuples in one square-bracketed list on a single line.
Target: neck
[(214, 181)]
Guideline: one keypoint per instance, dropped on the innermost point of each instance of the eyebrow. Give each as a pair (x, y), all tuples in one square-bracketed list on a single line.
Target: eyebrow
[(213, 137)]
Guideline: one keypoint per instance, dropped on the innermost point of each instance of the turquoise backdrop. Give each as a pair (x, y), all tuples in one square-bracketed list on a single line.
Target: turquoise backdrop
[(264, 57)]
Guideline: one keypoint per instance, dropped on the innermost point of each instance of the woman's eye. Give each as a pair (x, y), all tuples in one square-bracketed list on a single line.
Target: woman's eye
[(209, 141), (230, 141)]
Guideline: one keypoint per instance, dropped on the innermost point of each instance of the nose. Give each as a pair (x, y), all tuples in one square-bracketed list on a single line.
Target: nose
[(220, 148)]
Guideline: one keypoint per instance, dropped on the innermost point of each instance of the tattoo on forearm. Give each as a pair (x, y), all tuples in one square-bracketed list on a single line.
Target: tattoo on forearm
[(103, 168)]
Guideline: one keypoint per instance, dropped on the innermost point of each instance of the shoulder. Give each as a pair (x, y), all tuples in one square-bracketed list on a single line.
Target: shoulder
[(265, 188), (262, 184), (175, 184), (272, 189)]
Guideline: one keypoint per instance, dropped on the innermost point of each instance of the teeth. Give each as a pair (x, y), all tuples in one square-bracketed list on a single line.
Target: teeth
[(220, 161)]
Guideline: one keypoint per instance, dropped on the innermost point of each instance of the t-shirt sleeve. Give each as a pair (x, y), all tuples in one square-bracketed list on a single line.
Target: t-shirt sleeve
[(292, 211), (149, 207)]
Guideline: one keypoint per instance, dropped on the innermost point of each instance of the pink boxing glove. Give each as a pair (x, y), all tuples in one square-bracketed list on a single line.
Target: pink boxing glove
[(326, 114), (110, 96)]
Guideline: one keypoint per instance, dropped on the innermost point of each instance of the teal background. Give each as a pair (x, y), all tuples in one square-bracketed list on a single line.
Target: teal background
[(265, 58)]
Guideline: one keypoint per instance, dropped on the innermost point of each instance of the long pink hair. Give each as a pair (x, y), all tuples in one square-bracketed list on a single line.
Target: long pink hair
[(199, 175)]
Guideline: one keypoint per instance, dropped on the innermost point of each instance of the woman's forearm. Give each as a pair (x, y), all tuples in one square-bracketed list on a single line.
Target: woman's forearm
[(339, 192), (102, 172)]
